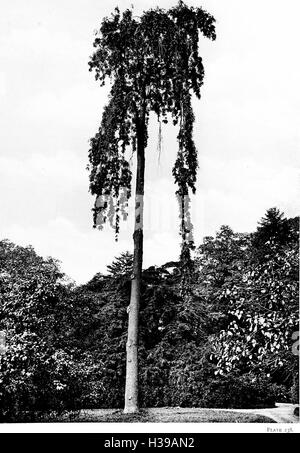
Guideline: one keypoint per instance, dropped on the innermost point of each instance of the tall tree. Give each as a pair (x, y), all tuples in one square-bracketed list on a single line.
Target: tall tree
[(153, 64)]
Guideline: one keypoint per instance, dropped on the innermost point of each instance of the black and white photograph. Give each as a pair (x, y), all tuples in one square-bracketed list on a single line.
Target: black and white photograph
[(149, 218)]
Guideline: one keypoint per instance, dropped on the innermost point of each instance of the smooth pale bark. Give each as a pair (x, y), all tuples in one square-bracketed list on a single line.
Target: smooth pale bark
[(131, 387)]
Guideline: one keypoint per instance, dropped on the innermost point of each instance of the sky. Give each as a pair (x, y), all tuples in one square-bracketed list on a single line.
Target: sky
[(246, 131)]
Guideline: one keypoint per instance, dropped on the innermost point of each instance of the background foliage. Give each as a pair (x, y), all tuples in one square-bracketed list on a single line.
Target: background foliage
[(230, 343)]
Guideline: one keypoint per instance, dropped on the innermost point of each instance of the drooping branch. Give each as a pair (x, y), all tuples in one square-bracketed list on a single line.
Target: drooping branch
[(110, 176), (185, 169)]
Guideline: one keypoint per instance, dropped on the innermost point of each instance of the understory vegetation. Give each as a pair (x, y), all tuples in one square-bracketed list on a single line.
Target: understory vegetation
[(230, 340)]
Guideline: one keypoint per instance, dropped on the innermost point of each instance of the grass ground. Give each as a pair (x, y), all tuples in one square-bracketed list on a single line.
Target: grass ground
[(164, 415)]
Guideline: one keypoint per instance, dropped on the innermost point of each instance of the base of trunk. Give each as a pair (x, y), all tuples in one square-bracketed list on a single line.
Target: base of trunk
[(131, 410)]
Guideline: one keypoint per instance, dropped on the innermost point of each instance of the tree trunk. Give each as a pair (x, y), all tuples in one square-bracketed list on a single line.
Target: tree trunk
[(131, 387)]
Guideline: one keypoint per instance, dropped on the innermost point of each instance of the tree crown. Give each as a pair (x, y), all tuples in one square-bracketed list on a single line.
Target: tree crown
[(153, 65)]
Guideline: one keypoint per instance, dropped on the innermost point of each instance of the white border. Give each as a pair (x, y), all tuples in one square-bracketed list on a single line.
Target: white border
[(111, 428)]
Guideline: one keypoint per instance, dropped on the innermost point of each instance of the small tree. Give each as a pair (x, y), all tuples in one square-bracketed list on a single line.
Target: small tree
[(153, 65), (121, 266), (273, 227)]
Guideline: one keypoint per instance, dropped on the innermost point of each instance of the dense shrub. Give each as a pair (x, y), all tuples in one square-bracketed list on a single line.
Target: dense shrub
[(194, 385), (246, 391), (35, 379), (36, 373)]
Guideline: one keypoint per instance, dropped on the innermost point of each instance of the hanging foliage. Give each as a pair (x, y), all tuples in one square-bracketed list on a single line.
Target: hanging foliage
[(153, 64)]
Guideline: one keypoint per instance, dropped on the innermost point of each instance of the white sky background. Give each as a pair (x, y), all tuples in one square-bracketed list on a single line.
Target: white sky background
[(246, 130)]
